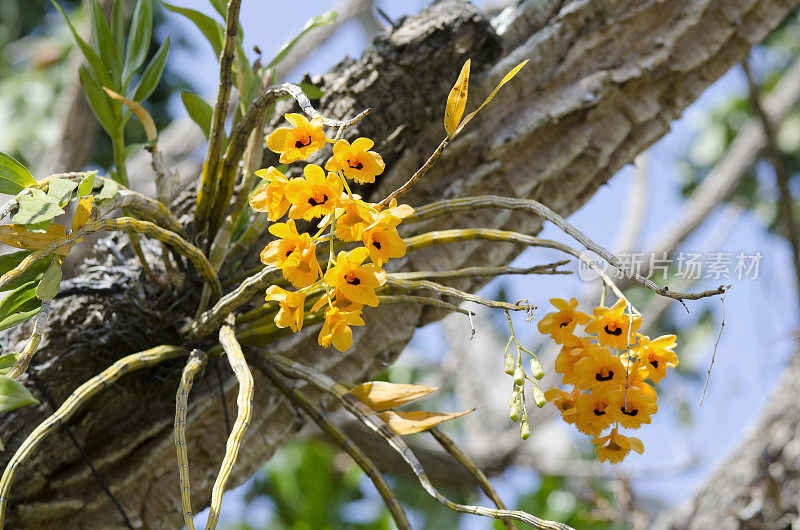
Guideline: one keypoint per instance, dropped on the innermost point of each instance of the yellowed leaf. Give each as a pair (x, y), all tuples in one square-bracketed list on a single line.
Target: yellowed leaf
[(16, 236), (83, 212), (140, 112), (417, 421), (457, 100), (380, 395), (505, 80)]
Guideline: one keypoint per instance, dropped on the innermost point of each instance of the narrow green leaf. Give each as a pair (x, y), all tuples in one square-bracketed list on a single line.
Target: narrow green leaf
[(322, 20), (59, 190), (210, 28), (221, 7), (30, 310), (199, 111), (51, 282), (7, 361), (95, 63), (311, 91), (17, 301), (86, 185), (118, 26), (104, 42), (110, 189), (152, 73), (36, 208), (139, 40), (248, 84), (98, 101), (14, 395), (14, 177)]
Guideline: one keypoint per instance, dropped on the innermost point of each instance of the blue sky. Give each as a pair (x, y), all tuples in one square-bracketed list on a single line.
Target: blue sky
[(760, 314)]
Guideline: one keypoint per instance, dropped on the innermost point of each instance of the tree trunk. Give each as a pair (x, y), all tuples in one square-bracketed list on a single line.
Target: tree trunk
[(606, 77), (756, 486)]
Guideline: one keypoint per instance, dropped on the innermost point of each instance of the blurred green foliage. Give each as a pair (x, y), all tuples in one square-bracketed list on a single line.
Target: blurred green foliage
[(35, 68)]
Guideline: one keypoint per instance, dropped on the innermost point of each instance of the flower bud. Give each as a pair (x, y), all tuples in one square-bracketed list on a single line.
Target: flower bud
[(516, 410), (538, 397), (536, 368), (524, 429), (510, 364), (519, 376)]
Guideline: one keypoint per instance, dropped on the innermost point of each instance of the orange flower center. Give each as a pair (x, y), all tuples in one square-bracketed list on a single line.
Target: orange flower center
[(314, 199), (358, 165), (604, 374), (629, 412), (616, 331), (352, 279)]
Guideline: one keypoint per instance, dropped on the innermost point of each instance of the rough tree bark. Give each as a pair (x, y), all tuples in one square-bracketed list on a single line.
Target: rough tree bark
[(756, 486), (605, 80)]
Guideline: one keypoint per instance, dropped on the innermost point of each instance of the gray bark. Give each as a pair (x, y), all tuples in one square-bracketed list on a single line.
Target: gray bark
[(605, 80), (757, 486)]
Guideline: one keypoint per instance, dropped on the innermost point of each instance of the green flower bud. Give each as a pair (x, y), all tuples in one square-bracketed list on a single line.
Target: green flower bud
[(524, 429), (516, 411), (510, 364), (519, 376), (538, 397), (536, 368)]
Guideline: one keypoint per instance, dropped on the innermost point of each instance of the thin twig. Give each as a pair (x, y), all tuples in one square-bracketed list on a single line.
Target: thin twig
[(469, 272), (347, 445), (244, 402), (782, 174), (412, 285), (75, 402), (416, 176), (714, 354), (196, 361), (467, 234)]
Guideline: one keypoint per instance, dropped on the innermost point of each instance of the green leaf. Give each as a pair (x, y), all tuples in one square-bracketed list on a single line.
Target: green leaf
[(152, 73), (210, 28), (139, 40), (14, 395), (110, 189), (311, 91), (60, 189), (7, 361), (14, 177), (199, 111), (104, 42), (248, 84), (51, 282), (98, 101), (86, 185), (36, 208), (118, 27), (19, 305), (95, 63), (221, 7), (322, 20)]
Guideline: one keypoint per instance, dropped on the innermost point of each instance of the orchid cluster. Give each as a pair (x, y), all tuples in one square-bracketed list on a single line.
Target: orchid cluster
[(609, 371), (350, 278)]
